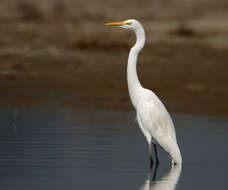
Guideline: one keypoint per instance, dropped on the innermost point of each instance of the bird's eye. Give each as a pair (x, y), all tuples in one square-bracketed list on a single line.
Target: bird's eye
[(128, 23)]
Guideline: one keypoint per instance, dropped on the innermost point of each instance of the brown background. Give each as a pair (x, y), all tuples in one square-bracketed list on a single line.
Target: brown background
[(59, 53)]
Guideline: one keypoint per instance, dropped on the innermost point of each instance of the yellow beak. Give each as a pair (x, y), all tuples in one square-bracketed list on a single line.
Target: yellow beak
[(117, 23)]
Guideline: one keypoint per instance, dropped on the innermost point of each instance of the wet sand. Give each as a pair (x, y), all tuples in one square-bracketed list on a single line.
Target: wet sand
[(63, 60)]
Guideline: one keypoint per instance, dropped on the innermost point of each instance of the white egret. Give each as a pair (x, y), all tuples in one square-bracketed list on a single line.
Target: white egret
[(152, 116)]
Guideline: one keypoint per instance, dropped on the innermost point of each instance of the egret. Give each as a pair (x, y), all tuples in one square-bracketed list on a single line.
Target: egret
[(152, 116)]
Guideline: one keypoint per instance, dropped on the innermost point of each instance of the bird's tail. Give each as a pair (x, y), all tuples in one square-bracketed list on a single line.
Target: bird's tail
[(175, 154)]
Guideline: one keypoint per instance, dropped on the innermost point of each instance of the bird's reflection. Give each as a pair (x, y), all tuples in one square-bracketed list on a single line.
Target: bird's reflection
[(166, 182)]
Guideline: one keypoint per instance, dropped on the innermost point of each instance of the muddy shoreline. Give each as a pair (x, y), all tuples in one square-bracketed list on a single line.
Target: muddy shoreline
[(72, 59), (187, 76)]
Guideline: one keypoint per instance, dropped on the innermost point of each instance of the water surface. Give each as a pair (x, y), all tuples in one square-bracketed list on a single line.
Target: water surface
[(85, 149)]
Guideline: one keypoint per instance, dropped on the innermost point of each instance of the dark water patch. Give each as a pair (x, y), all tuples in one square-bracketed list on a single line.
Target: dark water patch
[(84, 149)]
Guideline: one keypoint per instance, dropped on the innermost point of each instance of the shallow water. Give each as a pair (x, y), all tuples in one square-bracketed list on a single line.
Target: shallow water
[(85, 149)]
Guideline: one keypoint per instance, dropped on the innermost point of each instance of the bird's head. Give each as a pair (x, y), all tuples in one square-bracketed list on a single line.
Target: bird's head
[(130, 24)]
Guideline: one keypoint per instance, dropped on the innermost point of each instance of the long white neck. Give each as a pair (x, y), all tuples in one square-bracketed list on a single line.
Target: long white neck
[(134, 85)]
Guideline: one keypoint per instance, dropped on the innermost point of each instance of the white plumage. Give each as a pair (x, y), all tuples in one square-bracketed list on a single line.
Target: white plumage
[(152, 116)]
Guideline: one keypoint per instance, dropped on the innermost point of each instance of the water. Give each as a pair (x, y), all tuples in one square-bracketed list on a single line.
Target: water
[(75, 149)]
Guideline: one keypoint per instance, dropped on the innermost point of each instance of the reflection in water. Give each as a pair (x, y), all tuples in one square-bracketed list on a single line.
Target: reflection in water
[(75, 149), (167, 182), (15, 113)]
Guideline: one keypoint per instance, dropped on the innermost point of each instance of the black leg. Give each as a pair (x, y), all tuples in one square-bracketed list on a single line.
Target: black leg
[(155, 172), (156, 153), (150, 155), (151, 162)]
